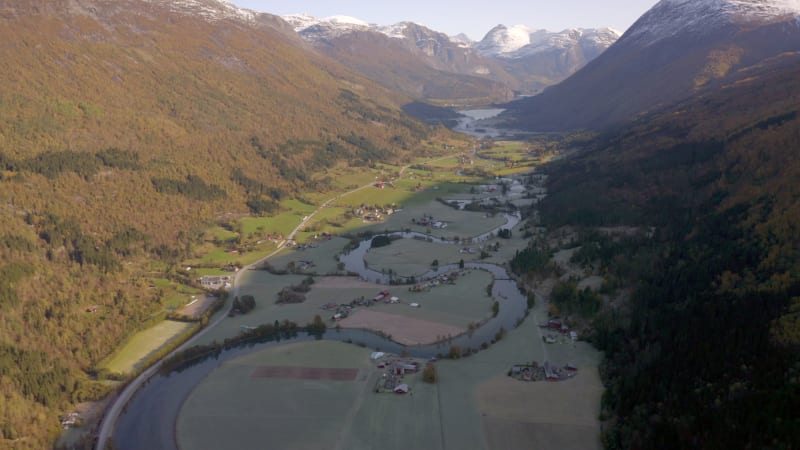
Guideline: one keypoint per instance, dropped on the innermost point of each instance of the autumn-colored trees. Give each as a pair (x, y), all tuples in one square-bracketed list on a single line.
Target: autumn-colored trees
[(118, 147)]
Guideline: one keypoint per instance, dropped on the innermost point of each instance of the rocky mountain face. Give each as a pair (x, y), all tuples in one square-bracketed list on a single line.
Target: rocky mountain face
[(540, 58), (410, 58), (674, 50), (507, 62)]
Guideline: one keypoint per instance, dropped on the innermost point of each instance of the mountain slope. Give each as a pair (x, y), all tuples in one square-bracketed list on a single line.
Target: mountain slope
[(429, 65), (408, 57), (541, 58), (705, 355), (125, 128), (674, 50)]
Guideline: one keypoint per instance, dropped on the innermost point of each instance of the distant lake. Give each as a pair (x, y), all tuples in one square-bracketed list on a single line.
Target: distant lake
[(470, 124), (480, 114)]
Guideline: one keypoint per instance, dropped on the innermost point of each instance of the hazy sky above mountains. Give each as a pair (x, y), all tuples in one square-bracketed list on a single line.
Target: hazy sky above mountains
[(472, 17)]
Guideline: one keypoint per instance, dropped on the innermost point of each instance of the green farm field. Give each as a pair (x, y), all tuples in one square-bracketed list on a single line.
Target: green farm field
[(473, 406), (143, 344), (234, 409), (323, 256), (459, 305), (464, 224)]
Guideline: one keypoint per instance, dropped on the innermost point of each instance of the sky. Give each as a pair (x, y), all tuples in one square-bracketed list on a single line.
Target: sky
[(473, 17)]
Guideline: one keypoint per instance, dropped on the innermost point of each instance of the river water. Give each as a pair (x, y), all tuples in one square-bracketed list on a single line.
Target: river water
[(471, 123), (148, 420)]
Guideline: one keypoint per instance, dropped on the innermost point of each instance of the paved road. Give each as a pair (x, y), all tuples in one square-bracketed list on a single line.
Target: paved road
[(114, 411)]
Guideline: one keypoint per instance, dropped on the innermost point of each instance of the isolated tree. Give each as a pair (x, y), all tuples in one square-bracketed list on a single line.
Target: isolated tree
[(429, 374)]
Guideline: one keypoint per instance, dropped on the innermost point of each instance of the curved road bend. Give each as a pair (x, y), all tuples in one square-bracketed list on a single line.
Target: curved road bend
[(113, 412)]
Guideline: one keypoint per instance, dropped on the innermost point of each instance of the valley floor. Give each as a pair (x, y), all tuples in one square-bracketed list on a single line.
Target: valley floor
[(474, 405)]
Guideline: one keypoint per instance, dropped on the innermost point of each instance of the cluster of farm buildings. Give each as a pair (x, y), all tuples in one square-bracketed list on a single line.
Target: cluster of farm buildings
[(429, 221), (373, 213), (343, 310), (557, 326), (394, 371), (544, 372), (445, 278), (215, 281)]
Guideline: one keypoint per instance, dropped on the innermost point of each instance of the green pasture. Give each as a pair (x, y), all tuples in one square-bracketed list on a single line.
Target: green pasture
[(220, 234), (209, 254), (264, 287), (231, 409), (143, 344), (346, 179), (463, 224), (457, 305), (323, 256), (398, 422), (331, 220), (374, 196), (174, 295), (462, 420), (201, 271)]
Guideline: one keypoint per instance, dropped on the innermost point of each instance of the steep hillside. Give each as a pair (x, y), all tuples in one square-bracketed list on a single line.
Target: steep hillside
[(409, 58), (675, 50), (705, 352), (126, 126)]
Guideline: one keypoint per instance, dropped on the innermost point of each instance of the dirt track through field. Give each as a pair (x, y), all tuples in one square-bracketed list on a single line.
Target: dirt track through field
[(402, 329), (305, 373), (198, 307)]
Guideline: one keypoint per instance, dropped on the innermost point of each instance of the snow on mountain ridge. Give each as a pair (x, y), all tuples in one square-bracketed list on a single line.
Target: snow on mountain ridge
[(311, 27), (510, 44), (209, 9), (346, 20), (338, 24), (675, 17), (462, 40), (396, 31), (503, 40)]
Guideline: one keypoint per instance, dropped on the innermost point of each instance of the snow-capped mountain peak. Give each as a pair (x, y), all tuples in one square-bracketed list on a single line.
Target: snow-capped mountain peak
[(338, 24), (503, 40), (519, 41), (312, 28), (462, 40), (209, 9), (346, 20), (676, 17), (396, 31)]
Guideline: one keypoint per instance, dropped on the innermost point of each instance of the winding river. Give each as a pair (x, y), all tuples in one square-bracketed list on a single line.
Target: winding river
[(149, 419)]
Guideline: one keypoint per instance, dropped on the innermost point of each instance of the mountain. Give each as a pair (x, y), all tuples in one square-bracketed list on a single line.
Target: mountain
[(410, 58), (673, 51), (704, 352), (429, 65), (542, 58), (127, 127)]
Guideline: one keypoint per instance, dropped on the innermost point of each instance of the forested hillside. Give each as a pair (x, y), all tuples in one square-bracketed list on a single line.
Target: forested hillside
[(125, 128), (705, 353)]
